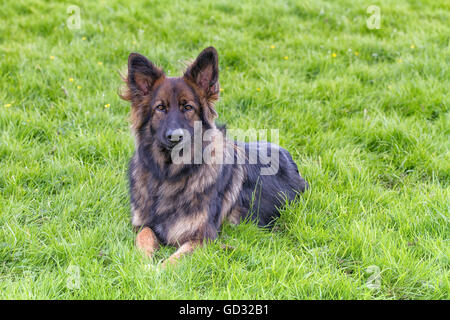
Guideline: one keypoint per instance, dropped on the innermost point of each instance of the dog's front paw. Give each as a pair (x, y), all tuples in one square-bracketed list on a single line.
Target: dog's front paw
[(146, 241), (169, 262), (186, 248)]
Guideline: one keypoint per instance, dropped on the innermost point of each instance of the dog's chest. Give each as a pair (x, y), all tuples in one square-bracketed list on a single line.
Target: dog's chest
[(180, 209)]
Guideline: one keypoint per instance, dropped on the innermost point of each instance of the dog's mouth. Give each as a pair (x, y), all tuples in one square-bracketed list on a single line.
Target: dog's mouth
[(171, 150), (168, 147)]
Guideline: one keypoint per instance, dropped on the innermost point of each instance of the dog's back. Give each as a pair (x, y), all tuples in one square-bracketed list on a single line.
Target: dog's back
[(268, 184)]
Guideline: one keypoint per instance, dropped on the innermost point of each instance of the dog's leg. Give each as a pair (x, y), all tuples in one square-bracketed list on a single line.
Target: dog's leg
[(185, 248), (146, 241)]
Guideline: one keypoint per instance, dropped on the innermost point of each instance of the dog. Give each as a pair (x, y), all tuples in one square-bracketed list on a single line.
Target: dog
[(184, 204)]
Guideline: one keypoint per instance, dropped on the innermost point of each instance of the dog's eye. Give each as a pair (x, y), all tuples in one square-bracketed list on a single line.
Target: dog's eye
[(160, 107), (188, 107)]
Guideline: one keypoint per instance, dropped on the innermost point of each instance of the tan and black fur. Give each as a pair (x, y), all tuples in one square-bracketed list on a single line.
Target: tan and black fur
[(185, 204)]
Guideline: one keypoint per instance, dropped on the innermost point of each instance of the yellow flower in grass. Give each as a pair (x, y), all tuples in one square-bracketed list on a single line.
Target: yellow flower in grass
[(71, 79), (258, 89), (356, 53), (272, 47), (78, 87), (412, 46), (285, 57), (100, 63), (107, 105), (334, 55), (52, 57), (221, 89), (83, 38), (399, 60), (7, 105)]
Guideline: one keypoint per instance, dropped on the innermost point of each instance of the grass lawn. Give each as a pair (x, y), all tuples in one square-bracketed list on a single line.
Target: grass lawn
[(364, 112)]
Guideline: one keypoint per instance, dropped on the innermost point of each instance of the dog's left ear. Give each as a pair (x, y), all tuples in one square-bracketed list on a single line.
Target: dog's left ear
[(142, 74), (204, 72)]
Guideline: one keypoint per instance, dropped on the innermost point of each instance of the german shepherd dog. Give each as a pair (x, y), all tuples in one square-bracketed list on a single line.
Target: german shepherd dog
[(185, 204)]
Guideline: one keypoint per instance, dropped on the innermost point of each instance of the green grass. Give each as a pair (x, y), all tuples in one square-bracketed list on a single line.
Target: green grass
[(365, 114)]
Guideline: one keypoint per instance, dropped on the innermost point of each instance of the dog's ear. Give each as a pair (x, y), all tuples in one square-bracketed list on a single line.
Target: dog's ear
[(142, 74), (204, 72)]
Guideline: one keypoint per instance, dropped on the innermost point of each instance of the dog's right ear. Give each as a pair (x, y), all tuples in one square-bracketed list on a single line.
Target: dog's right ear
[(142, 74)]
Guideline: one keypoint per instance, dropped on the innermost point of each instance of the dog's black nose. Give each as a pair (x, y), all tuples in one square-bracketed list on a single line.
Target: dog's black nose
[(175, 135)]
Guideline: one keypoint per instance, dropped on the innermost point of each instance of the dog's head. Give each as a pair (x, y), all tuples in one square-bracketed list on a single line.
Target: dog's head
[(165, 107)]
